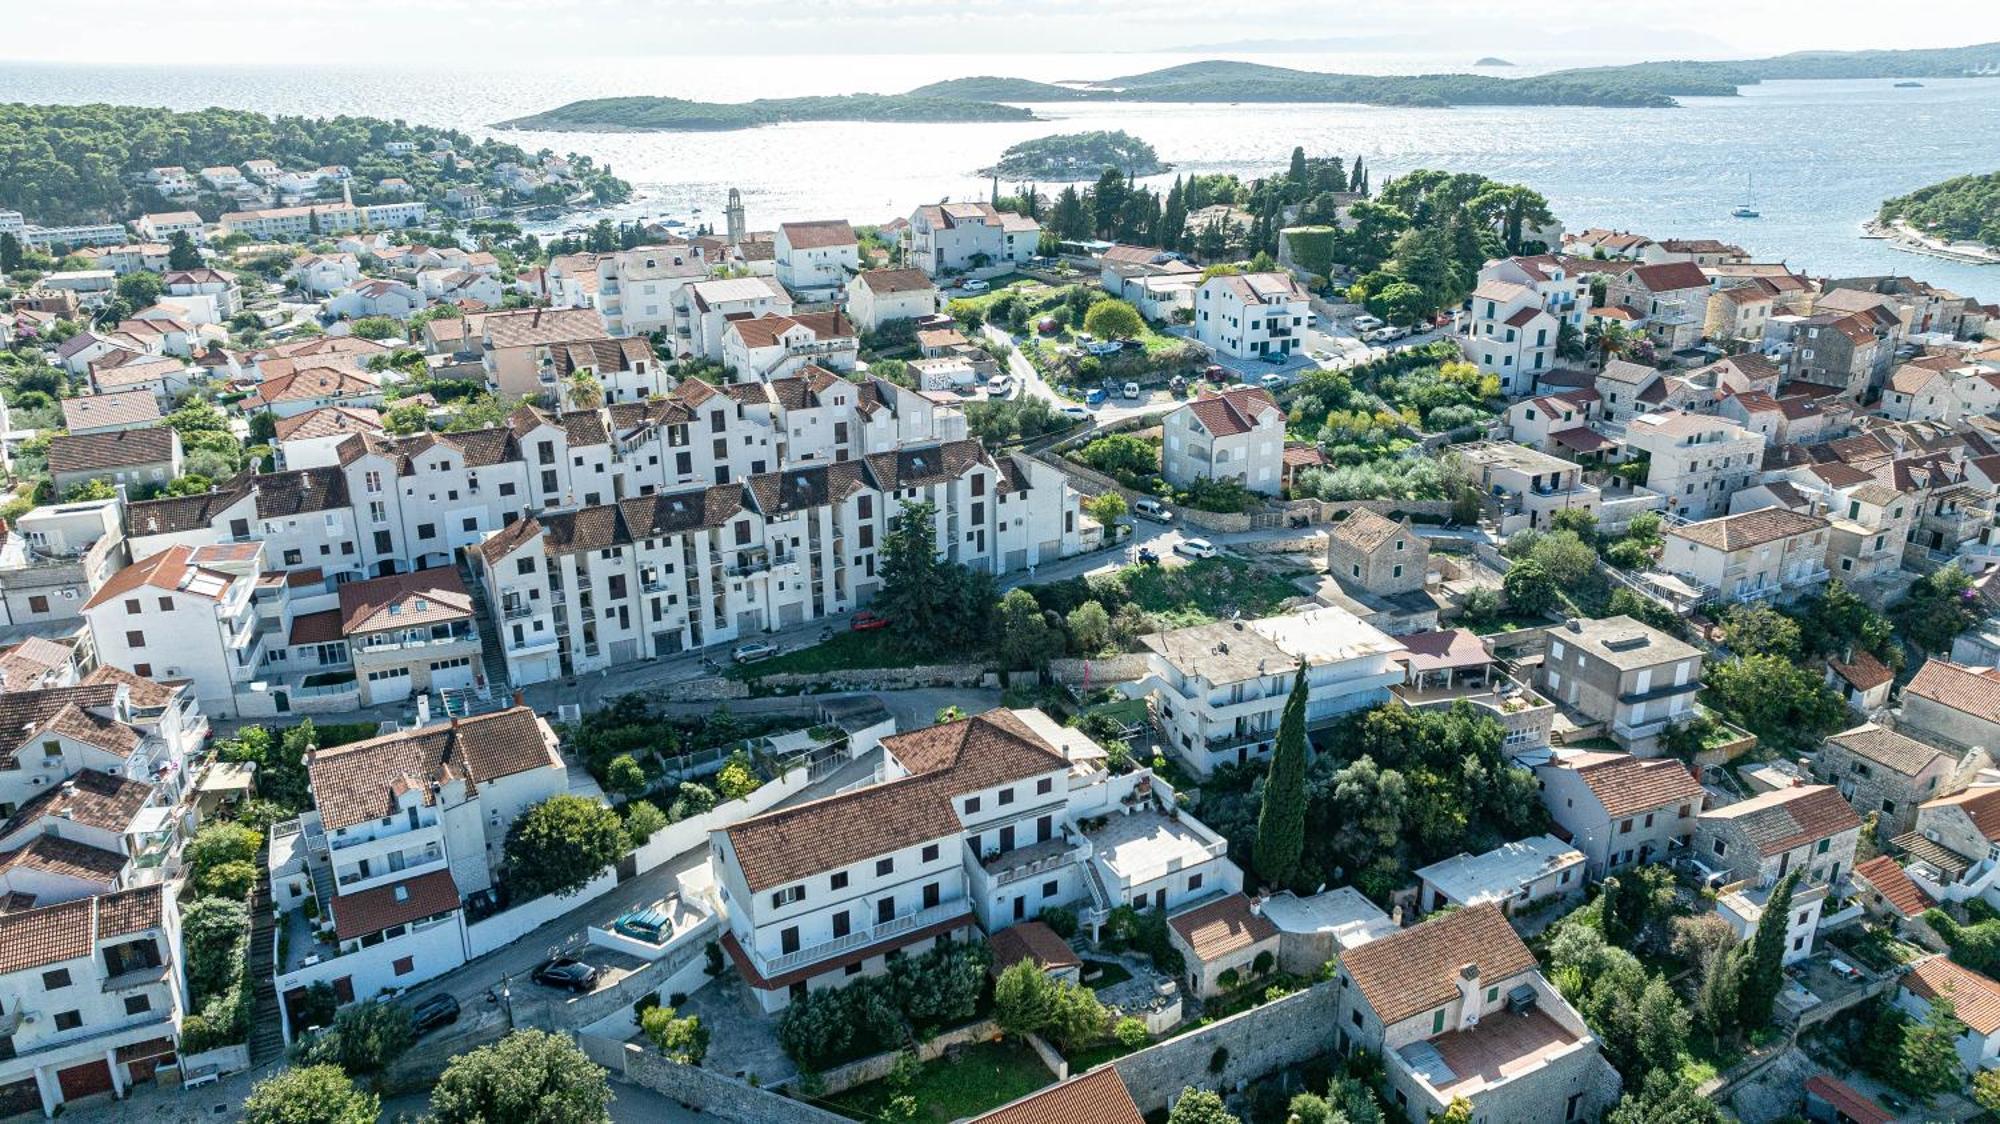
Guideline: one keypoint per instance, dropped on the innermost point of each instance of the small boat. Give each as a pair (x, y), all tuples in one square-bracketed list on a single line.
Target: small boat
[(1745, 209), (1909, 85)]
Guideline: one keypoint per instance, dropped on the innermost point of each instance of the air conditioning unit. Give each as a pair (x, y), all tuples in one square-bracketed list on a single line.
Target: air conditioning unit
[(69, 595)]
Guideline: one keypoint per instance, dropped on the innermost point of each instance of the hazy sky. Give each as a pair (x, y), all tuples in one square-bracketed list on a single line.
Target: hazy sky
[(486, 32)]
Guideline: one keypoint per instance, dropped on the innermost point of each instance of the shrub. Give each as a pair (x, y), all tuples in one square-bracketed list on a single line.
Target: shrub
[(624, 776), (1228, 979), (642, 819), (1263, 963), (229, 880), (1130, 1032), (364, 1039), (1060, 918), (691, 800), (738, 777), (679, 1039)]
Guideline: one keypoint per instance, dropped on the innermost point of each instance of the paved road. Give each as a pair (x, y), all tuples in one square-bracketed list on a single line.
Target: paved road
[(631, 1105)]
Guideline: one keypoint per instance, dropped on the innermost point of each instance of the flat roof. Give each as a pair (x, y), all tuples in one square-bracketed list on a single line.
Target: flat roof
[(1142, 846), (1343, 912), (1500, 873)]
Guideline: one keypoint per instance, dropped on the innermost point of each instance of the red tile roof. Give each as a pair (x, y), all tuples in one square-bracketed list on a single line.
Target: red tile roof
[(1030, 940), (1411, 971), (1975, 998), (1847, 1100), (1958, 688), (1224, 926), (1098, 1097), (1896, 888), (378, 907)]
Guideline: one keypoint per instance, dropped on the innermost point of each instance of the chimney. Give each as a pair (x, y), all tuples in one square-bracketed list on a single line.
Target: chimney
[(520, 697), (1468, 996), (1573, 624), (424, 709)]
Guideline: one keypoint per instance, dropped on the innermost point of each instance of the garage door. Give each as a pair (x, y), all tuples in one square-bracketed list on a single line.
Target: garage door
[(446, 678), (392, 685), (83, 1080)]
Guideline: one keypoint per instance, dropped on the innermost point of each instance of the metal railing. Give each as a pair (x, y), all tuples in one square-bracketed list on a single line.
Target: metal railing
[(860, 938)]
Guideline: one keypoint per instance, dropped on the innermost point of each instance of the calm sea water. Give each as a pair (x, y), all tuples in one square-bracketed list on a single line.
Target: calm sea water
[(1816, 157)]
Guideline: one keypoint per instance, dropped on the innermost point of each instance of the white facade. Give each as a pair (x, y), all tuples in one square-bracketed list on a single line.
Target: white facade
[(955, 237), (1251, 315)]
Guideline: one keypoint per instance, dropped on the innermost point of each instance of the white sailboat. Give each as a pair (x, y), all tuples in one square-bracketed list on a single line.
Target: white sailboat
[(1746, 209)]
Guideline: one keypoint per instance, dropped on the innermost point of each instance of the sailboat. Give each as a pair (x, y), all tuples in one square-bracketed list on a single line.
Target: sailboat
[(1744, 210)]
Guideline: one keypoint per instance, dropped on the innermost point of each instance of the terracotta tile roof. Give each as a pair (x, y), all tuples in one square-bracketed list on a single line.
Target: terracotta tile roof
[(131, 407), (1223, 926), (1889, 880), (882, 281), (316, 628), (329, 421), (1789, 817), (1851, 1104), (26, 665), (1975, 998), (817, 235), (1981, 805), (312, 382), (92, 798), (170, 570), (1959, 688), (1731, 533), (1233, 411), (1364, 530), (589, 528), (1864, 671), (916, 466), (665, 513), (50, 935), (1098, 1097), (103, 452), (983, 751), (355, 783), (1523, 318), (508, 539), (1030, 940), (1627, 785), (532, 327), (378, 907), (1887, 748), (142, 692), (52, 854), (300, 492), (805, 486), (602, 354), (1411, 971)]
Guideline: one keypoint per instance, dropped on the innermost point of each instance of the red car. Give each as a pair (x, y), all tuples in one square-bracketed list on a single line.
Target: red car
[(865, 621)]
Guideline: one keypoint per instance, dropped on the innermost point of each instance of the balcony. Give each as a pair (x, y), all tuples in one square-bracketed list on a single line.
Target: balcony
[(862, 938), (517, 611)]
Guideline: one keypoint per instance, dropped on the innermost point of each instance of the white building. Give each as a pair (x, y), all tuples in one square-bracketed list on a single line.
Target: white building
[(640, 291), (880, 296), (816, 257), (956, 237), (711, 305), (1251, 315), (1697, 461), (1513, 876), (184, 613), (1510, 334), (1238, 435)]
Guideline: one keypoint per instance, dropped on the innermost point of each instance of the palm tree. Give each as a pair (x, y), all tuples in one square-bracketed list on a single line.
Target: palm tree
[(584, 391)]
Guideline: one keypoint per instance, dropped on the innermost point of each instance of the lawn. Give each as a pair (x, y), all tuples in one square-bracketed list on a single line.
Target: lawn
[(1206, 589), (1507, 621), (976, 1079), (877, 648), (1097, 1054)]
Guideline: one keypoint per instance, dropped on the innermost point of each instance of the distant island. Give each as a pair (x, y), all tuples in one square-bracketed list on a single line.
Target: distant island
[(1077, 156), (1959, 217), (1489, 60), (647, 114), (1645, 85)]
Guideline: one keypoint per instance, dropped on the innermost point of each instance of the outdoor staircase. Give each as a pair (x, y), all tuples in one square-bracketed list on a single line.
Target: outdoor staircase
[(492, 660), (267, 1041)]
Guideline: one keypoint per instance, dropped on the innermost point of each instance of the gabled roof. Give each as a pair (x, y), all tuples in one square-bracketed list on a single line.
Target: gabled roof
[(1097, 1097), (92, 798), (1895, 886), (378, 907), (1980, 804), (1863, 671), (1224, 926), (1731, 533), (1626, 785), (1975, 998), (1233, 411), (34, 938), (1414, 970), (1670, 276), (172, 571), (882, 281), (1887, 748), (130, 407), (356, 783), (1030, 940), (1786, 818), (421, 597), (329, 421), (821, 234), (1956, 687), (104, 452)]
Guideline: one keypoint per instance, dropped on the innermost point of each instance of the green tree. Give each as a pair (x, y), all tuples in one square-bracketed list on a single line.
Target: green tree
[(936, 606), (1025, 638), (642, 820), (10, 253), (528, 1077), (314, 1094), (1200, 1106), (363, 1039), (624, 776), (560, 844), (738, 777), (375, 328), (1763, 970), (1938, 607), (181, 252), (1986, 1089), (1529, 587), (1107, 508), (1787, 706), (1400, 302), (1281, 822), (1664, 1098), (1927, 1061), (1113, 320), (680, 1039), (140, 289), (1759, 630), (1566, 556), (1089, 627)]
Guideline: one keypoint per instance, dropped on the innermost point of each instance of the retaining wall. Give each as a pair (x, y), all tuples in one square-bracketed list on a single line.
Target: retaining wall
[(1280, 1033), (880, 678), (724, 1098), (877, 1066), (1122, 668)]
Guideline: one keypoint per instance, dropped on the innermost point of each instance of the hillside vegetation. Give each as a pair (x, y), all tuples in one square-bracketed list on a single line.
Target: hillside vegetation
[(1963, 208), (680, 114), (1077, 156)]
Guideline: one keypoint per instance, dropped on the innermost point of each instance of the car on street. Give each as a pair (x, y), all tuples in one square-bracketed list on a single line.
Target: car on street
[(975, 285), (1196, 548), (1148, 556), (1216, 373), (998, 384), (1150, 508), (1095, 396), (754, 651), (865, 621), (1072, 410), (1272, 381), (1277, 358), (432, 1013), (1366, 323), (563, 972), (1132, 390)]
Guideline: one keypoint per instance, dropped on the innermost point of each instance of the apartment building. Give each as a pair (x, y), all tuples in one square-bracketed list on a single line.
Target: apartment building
[(816, 256), (1217, 691), (1632, 678), (984, 821), (110, 722), (321, 218), (1511, 334), (1621, 810), (1455, 1008), (1252, 315), (1237, 435), (408, 634), (135, 458), (1526, 488), (642, 291), (712, 305), (94, 997), (883, 296), (1770, 552), (763, 348), (1697, 461), (403, 828), (1672, 298), (1887, 774), (184, 613), (624, 370), (955, 237)]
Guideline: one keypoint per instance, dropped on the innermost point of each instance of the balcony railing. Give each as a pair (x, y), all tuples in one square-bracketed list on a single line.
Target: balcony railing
[(861, 938)]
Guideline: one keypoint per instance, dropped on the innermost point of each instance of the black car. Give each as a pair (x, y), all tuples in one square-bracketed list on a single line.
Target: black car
[(563, 972), (432, 1013)]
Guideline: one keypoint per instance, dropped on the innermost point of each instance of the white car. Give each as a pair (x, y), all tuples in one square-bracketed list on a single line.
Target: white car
[(1366, 323), (1103, 347), (1272, 381), (998, 384), (1132, 390), (1196, 548), (754, 651), (1080, 413), (975, 285)]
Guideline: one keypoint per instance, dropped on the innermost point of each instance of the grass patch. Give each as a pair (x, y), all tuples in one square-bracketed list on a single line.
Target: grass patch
[(844, 651), (1507, 621), (979, 1078), (1082, 1061), (1206, 589), (1130, 712), (1114, 973), (1875, 948)]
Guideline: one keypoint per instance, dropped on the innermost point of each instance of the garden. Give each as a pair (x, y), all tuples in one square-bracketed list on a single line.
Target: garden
[(635, 750)]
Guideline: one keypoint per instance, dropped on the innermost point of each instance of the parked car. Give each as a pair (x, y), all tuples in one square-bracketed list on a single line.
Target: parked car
[(432, 1013), (1277, 358), (1196, 548), (1272, 381), (1132, 390), (975, 285), (1148, 556), (1095, 396), (865, 621), (754, 651), (1216, 373), (998, 384), (1366, 323), (566, 973), (1048, 325), (1151, 509), (1072, 410)]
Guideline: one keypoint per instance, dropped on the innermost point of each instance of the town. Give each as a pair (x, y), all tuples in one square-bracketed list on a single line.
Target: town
[(1315, 647)]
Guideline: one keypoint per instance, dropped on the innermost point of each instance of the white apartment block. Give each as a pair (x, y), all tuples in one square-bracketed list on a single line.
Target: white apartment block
[(1517, 314), (1217, 691), (185, 613), (982, 822), (956, 237), (882, 296), (322, 218), (1251, 315), (1238, 435), (816, 256), (1770, 552), (639, 291), (770, 347), (711, 305), (1697, 461)]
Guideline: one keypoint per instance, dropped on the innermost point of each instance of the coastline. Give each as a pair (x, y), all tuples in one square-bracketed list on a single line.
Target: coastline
[(1899, 235)]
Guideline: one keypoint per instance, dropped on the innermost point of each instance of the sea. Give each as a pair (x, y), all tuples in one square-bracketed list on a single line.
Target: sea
[(1815, 158)]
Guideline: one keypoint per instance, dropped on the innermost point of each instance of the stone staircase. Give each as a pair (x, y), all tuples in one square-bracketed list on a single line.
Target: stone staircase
[(492, 660), (267, 1041)]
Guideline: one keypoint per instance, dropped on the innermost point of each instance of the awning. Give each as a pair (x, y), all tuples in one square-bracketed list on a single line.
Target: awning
[(1583, 439)]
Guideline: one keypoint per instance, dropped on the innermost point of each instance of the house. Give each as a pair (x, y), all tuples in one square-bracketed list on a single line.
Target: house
[(771, 347), (1672, 297), (1955, 704), (1557, 423), (77, 353), (1975, 1001), (95, 997), (1237, 435), (184, 613), (138, 458), (1444, 668), (947, 238), (1631, 677), (1034, 940), (109, 413), (1380, 555), (1808, 828), (159, 376), (460, 286), (1614, 245), (313, 388), (1513, 876), (162, 226), (1848, 353), (1619, 809), (979, 820), (1159, 284), (171, 179), (377, 296), (1704, 252), (1950, 853), (408, 634), (1456, 1008), (1829, 1100), (712, 305), (1524, 488), (1888, 894), (1884, 773), (1510, 334), (882, 296), (816, 256), (1770, 552), (1251, 315), (515, 346), (1222, 941), (1739, 313), (1861, 679), (1097, 1097), (1218, 690), (312, 439)]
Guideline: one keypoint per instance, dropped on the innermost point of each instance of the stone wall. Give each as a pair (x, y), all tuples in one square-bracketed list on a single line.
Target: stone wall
[(1259, 1041), (879, 678), (839, 1079), (724, 1098), (711, 689), (1122, 668)]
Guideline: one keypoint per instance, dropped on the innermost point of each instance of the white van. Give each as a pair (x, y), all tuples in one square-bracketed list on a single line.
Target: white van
[(1151, 509)]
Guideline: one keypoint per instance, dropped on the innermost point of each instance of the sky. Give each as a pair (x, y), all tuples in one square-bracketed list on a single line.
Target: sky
[(1372, 36)]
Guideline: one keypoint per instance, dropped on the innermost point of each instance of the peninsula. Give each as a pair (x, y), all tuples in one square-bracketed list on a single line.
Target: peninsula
[(1958, 219)]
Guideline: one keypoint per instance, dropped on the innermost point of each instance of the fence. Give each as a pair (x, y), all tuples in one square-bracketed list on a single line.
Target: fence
[(510, 925), (1111, 669), (839, 1079), (679, 838)]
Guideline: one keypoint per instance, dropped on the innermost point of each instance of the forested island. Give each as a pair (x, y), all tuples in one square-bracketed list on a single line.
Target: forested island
[(647, 114), (997, 98), (1961, 209), (1077, 156), (85, 163)]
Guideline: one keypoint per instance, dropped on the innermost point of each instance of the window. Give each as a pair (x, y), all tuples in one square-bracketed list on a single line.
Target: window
[(931, 895), (1823, 845), (137, 1004), (1720, 847), (839, 880), (135, 639), (787, 896), (1051, 889), (1624, 827), (404, 965), (1194, 882), (1437, 1021), (524, 566), (1006, 796), (426, 530), (931, 853), (885, 867), (69, 1020), (841, 925), (971, 805), (788, 941), (55, 980)]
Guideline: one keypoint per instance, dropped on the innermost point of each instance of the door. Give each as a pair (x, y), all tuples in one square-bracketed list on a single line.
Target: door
[(1784, 863), (84, 1080), (1020, 909), (1160, 898)]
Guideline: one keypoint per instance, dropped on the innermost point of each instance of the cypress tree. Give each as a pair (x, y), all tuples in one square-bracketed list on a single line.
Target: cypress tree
[(1281, 822), (1764, 975)]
